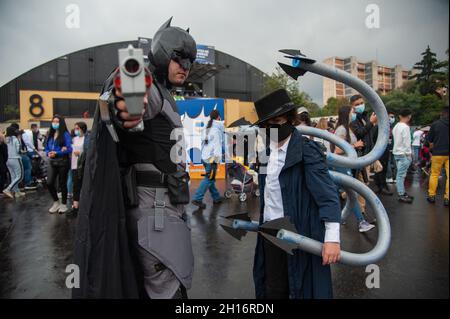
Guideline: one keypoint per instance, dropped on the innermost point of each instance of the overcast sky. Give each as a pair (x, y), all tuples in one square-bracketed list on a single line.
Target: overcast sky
[(33, 32)]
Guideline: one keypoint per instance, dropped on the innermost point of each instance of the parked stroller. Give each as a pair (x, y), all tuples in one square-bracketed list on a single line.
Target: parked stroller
[(240, 181), (39, 168)]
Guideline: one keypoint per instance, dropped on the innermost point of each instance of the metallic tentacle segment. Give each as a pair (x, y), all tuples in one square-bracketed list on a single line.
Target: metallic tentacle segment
[(286, 231), (384, 230), (287, 237), (304, 65), (246, 225), (332, 159)]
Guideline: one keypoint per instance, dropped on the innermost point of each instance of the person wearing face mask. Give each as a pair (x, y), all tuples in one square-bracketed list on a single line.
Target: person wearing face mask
[(362, 127), (78, 142), (295, 182), (344, 131), (58, 149), (402, 153)]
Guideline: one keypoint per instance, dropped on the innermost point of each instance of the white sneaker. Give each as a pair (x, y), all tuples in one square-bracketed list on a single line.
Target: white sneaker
[(63, 208), (365, 226), (389, 180), (19, 194), (54, 208), (8, 193)]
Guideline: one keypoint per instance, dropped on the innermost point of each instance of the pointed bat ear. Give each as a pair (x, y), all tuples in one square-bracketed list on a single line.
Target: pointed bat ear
[(187, 30), (166, 24)]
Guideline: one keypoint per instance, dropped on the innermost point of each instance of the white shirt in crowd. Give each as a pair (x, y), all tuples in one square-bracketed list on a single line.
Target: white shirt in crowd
[(27, 138), (77, 145), (402, 139), (273, 201), (215, 143), (416, 138)]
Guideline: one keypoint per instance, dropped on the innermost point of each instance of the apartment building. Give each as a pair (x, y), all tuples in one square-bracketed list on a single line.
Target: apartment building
[(381, 78)]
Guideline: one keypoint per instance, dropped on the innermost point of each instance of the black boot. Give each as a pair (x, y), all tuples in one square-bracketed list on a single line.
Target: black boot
[(431, 199), (405, 199), (199, 204), (386, 191)]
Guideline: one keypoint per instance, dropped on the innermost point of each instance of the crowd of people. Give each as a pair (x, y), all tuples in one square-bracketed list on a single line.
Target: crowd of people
[(29, 159), (421, 150)]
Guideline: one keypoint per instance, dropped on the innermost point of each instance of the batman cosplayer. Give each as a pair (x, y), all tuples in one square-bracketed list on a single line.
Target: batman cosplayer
[(133, 238)]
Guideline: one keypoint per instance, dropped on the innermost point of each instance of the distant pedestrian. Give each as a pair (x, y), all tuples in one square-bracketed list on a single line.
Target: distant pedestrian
[(211, 154), (78, 146), (402, 153), (58, 149), (416, 143), (438, 139), (3, 160), (362, 126), (344, 131), (391, 169), (323, 125), (14, 163), (304, 117)]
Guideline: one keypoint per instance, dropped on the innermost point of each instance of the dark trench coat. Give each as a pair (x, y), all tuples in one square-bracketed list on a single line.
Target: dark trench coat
[(310, 198)]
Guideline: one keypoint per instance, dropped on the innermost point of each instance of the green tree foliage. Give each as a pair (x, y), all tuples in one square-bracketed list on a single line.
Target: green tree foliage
[(420, 93), (425, 108), (431, 75), (11, 111), (333, 105)]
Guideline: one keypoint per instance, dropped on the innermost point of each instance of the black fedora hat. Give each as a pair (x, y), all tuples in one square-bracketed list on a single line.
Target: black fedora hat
[(273, 104)]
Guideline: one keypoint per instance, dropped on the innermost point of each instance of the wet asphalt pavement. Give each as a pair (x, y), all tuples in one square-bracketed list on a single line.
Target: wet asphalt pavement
[(36, 247)]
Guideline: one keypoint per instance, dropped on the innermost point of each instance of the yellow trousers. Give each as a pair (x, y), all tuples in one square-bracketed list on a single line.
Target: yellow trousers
[(436, 167)]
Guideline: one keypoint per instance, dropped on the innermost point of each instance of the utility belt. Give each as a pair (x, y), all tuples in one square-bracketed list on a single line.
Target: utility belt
[(151, 179), (147, 175)]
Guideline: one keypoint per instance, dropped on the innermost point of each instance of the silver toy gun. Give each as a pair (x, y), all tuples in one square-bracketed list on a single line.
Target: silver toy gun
[(133, 80)]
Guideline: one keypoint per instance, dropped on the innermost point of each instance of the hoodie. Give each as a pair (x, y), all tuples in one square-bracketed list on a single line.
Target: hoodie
[(438, 135)]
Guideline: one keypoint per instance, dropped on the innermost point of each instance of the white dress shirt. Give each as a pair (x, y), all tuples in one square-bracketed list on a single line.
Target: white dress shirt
[(273, 201)]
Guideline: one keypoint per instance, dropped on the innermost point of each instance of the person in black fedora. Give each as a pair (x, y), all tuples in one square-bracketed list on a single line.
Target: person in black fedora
[(296, 184)]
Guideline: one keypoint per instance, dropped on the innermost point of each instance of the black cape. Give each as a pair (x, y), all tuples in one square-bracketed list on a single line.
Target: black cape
[(101, 248)]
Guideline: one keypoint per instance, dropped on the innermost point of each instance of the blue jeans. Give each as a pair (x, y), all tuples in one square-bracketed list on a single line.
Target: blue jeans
[(70, 182), (403, 162), (357, 208), (206, 184), (416, 150), (26, 162), (391, 169)]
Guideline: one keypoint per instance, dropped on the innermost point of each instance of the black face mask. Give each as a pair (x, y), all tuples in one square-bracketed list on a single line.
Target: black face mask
[(284, 130)]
